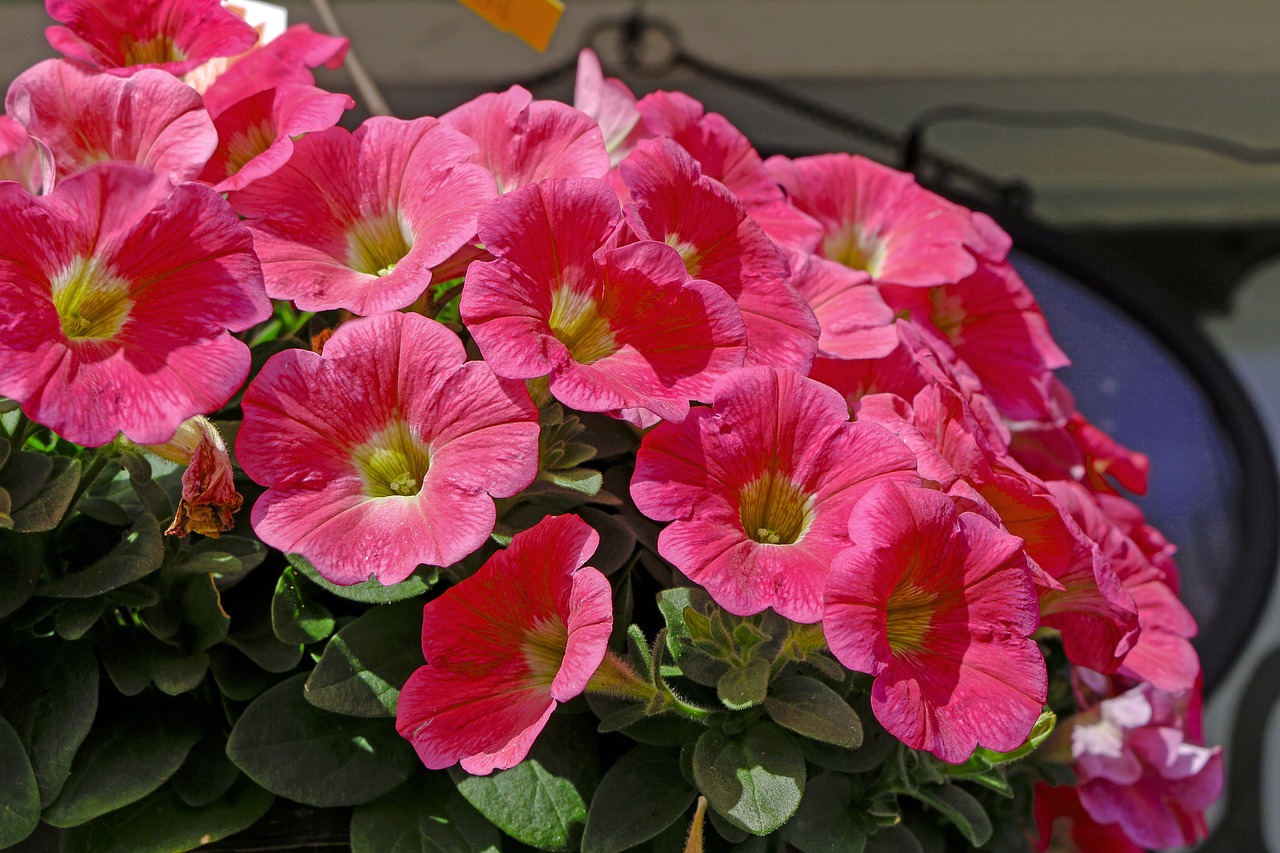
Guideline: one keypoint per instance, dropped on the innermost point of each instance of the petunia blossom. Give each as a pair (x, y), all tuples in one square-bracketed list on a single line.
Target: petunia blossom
[(505, 647), (1059, 816), (20, 157), (125, 35), (117, 294), (255, 135), (758, 489), (610, 103), (521, 141), (285, 60), (878, 222), (1139, 766), (674, 203), (939, 607), (621, 330), (386, 451), (358, 220), (85, 117)]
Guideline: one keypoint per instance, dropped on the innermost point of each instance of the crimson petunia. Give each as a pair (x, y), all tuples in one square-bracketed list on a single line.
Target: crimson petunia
[(505, 647), (939, 606)]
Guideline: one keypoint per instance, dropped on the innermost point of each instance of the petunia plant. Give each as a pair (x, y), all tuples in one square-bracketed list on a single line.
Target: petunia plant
[(542, 477)]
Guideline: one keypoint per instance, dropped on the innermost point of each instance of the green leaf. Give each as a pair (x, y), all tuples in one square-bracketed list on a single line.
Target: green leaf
[(585, 480), (661, 730), (366, 663), (205, 621), (293, 617), (296, 750), (163, 823), (223, 557), (238, 677), (138, 553), (641, 795), (50, 698), (124, 758), (877, 744), (207, 774), (754, 779), (370, 591), (893, 839), (135, 660), (23, 569), (542, 801), (76, 616), (808, 707), (40, 489), (984, 759), (425, 815), (744, 686), (617, 542), (150, 493), (961, 808), (826, 821), (257, 639), (19, 794)]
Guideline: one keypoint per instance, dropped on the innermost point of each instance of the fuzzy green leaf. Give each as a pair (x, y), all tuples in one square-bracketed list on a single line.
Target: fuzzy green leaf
[(370, 591), (961, 808), (40, 489), (425, 815), (754, 779), (138, 553), (19, 794), (296, 750), (808, 707), (826, 821), (745, 685), (294, 618), (366, 663), (640, 796)]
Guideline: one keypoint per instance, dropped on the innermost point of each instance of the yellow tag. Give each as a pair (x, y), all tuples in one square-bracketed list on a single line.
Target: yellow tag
[(533, 21)]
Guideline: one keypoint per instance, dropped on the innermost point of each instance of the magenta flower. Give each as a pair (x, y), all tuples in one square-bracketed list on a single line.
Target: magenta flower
[(854, 320), (85, 117), (522, 141), (1139, 767), (358, 221), (286, 60), (383, 453), (117, 292), (255, 135), (621, 330), (758, 489), (505, 647), (610, 103), (878, 222), (673, 203), (124, 35), (939, 606)]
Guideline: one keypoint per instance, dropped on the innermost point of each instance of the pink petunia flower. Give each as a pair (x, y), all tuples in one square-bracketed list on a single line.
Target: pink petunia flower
[(1059, 816), (20, 158), (758, 489), (255, 135), (878, 222), (209, 497), (673, 203), (621, 330), (522, 141), (285, 60), (122, 36), (358, 221), (117, 291), (610, 103), (85, 117), (1139, 767), (939, 606), (505, 647), (384, 452)]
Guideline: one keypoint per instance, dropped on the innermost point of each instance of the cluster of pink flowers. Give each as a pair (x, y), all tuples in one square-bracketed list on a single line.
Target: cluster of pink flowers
[(847, 394)]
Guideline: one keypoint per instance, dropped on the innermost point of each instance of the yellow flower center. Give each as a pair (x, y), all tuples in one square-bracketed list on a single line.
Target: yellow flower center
[(576, 322), (856, 250), (158, 49), (244, 146), (92, 303), (544, 648), (392, 462), (376, 244), (688, 253), (908, 615), (774, 510)]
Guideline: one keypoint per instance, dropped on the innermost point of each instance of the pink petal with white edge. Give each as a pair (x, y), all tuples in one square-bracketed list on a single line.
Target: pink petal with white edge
[(523, 141), (147, 358), (84, 117), (122, 37), (396, 388), (255, 135), (505, 646), (610, 103)]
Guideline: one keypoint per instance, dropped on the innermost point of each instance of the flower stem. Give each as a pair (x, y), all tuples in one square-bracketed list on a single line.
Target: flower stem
[(614, 677)]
